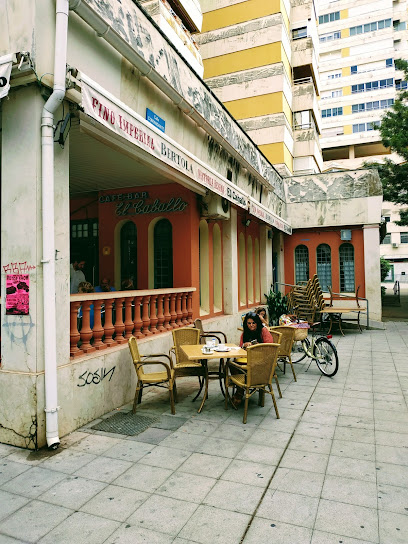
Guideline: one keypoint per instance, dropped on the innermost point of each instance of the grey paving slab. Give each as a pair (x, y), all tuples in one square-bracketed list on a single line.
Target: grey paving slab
[(224, 448), (288, 508), (183, 441), (215, 526), (4, 539), (163, 457), (312, 444), (391, 439), (143, 477), (95, 444), (68, 461), (115, 502), (355, 435), (10, 469), (128, 534), (348, 519), (297, 481), (350, 491), (245, 472), (33, 521), (234, 496), (163, 514), (81, 528), (129, 450), (320, 537), (393, 528), (352, 468), (391, 454), (257, 453), (151, 436), (27, 457), (233, 432), (393, 499), (354, 450), (309, 461), (186, 487), (72, 492), (390, 474), (202, 464), (5, 450), (33, 482), (9, 503), (263, 530), (355, 422), (199, 427), (103, 469)]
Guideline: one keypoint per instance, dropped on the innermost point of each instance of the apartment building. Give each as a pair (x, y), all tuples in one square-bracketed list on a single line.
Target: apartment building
[(358, 43), (260, 60)]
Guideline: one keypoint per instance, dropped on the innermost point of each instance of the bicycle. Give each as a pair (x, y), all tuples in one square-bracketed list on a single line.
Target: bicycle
[(319, 349)]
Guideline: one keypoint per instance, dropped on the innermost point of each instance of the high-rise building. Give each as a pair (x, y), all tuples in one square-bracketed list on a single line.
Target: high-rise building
[(260, 60)]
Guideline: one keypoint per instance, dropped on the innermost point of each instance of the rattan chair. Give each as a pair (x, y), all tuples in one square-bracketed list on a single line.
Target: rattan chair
[(198, 324), (277, 338), (255, 376), (164, 378), (182, 366), (285, 346)]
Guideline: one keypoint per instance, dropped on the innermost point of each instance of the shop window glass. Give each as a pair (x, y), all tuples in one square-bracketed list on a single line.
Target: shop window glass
[(242, 270), (204, 268), (323, 259), (346, 258), (128, 252), (250, 270), (301, 263), (163, 254), (217, 269)]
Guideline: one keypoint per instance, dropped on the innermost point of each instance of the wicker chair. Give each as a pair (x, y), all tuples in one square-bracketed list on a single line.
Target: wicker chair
[(164, 378), (198, 324), (256, 375), (182, 366), (277, 338), (286, 343)]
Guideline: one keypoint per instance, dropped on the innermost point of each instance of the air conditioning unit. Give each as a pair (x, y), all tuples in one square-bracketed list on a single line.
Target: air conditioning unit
[(345, 235), (215, 207), (394, 244)]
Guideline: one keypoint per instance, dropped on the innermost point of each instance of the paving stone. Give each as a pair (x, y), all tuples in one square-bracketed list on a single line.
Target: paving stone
[(103, 469), (6, 450), (151, 436), (128, 534), (202, 464), (72, 492), (163, 457), (143, 477), (169, 423), (27, 457), (224, 448), (390, 474), (393, 527), (242, 498), (186, 487), (33, 520), (33, 482), (215, 526), (260, 454), (9, 470), (393, 499), (116, 503), (95, 444), (9, 503), (68, 461), (352, 468), (183, 441), (233, 432), (308, 443), (263, 530), (348, 519), (163, 514), (81, 528), (245, 472), (313, 462), (199, 427), (387, 454), (129, 450), (288, 508), (4, 539), (297, 481), (270, 437), (355, 435), (354, 450), (320, 537), (398, 440), (350, 491)]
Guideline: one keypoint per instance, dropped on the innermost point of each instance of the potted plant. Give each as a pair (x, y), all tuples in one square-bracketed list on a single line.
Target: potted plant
[(277, 305)]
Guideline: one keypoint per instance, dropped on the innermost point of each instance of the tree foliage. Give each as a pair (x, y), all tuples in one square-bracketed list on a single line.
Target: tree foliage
[(394, 135), (385, 267)]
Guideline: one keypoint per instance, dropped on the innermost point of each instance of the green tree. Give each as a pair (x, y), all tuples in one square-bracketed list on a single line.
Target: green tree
[(385, 267), (394, 135)]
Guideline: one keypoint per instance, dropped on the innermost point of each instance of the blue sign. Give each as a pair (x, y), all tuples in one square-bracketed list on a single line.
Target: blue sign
[(155, 120)]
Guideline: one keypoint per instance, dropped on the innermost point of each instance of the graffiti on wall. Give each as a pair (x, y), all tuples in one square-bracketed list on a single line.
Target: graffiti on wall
[(88, 378)]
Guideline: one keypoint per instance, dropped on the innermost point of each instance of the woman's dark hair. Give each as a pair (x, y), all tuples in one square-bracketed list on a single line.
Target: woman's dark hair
[(257, 333)]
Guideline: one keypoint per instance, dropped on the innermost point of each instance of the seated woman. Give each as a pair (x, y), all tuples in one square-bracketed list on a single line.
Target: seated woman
[(262, 314), (254, 333)]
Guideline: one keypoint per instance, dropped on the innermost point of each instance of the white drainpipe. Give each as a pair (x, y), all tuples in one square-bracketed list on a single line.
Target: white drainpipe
[(48, 227)]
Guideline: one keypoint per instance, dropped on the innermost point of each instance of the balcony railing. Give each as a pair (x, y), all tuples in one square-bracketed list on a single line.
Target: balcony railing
[(118, 315)]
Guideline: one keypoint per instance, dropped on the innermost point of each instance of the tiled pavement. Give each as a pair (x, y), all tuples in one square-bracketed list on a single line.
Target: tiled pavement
[(332, 470)]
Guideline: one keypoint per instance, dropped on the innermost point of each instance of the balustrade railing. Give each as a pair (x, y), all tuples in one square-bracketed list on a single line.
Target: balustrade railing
[(102, 320)]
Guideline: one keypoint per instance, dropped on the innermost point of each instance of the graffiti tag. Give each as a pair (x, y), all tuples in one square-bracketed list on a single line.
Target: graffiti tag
[(95, 377), (18, 268)]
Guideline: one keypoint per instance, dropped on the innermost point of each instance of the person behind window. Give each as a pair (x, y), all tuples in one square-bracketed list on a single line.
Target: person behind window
[(105, 286), (76, 274), (127, 285)]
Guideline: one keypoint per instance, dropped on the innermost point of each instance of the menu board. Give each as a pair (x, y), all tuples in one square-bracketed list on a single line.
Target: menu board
[(17, 294)]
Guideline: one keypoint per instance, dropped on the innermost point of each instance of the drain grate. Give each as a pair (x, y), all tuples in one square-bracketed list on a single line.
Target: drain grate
[(125, 423)]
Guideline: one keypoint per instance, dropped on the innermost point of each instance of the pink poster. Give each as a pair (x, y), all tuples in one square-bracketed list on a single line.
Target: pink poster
[(17, 294)]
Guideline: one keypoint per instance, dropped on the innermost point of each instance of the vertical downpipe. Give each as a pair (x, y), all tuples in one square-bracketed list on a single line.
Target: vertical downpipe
[(48, 226)]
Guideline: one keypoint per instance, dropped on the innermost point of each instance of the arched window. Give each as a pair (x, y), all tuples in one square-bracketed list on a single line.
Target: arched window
[(301, 263), (217, 269), (242, 270), (323, 258), (346, 258), (163, 254), (204, 268), (250, 270), (128, 253)]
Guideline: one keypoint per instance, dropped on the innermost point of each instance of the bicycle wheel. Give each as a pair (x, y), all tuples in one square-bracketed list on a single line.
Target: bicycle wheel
[(298, 352), (325, 355)]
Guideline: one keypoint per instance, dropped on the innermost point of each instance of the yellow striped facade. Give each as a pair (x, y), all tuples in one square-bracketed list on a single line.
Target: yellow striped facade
[(345, 32), (346, 71), (344, 14), (345, 52), (272, 54), (347, 90), (348, 129), (347, 110)]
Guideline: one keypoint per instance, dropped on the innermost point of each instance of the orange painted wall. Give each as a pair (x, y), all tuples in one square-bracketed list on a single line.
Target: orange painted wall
[(252, 230), (311, 239), (185, 225)]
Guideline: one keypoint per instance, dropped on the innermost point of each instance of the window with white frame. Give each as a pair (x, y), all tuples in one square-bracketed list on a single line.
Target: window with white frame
[(346, 259), (330, 36), (332, 112), (374, 105), (298, 33), (329, 17), (372, 86), (365, 127), (404, 237), (370, 27)]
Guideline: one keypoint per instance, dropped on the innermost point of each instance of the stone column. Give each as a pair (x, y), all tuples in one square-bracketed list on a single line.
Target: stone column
[(230, 264), (22, 418), (265, 260), (372, 270)]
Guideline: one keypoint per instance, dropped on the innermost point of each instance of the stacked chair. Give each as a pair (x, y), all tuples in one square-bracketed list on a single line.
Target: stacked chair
[(306, 300)]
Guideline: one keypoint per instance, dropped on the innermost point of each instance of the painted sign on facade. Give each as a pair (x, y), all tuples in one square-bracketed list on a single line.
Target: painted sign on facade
[(155, 120), (267, 216), (17, 294), (132, 203)]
